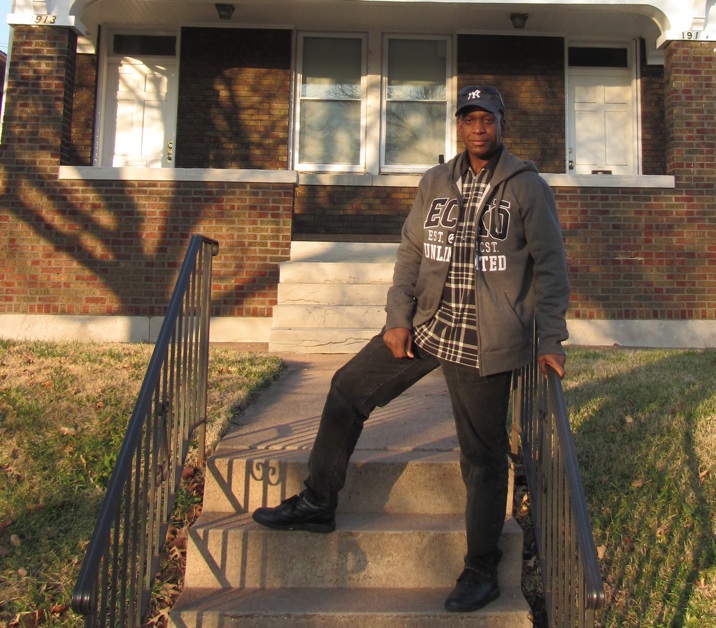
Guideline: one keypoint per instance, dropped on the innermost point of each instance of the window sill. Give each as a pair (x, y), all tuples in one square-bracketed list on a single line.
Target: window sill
[(90, 173), (360, 180), (609, 181), (554, 180)]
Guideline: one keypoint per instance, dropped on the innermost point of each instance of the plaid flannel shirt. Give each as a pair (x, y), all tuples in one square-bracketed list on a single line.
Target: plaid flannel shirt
[(451, 334)]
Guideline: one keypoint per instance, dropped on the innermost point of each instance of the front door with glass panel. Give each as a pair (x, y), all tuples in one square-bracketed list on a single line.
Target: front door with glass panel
[(602, 131), (140, 110)]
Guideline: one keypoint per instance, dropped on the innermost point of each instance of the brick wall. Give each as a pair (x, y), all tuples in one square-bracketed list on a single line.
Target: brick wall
[(691, 115), (235, 89), (83, 108), (3, 65), (37, 118), (344, 212), (651, 84), (639, 254), (529, 72), (117, 248), (650, 254)]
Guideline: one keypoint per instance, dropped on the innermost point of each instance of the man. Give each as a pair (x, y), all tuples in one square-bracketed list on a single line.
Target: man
[(480, 257)]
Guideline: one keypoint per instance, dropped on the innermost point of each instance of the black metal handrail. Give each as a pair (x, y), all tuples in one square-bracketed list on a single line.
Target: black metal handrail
[(572, 581), (115, 581)]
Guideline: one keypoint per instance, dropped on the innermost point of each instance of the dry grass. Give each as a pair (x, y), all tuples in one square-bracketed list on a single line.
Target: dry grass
[(63, 413)]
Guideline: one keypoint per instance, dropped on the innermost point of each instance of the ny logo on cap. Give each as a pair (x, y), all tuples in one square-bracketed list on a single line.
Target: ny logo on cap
[(475, 94)]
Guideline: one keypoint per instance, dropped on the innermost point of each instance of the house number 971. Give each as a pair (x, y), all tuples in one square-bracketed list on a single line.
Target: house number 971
[(695, 35), (45, 19)]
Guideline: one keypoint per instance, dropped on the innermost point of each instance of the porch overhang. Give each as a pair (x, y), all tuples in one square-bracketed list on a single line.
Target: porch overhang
[(656, 21)]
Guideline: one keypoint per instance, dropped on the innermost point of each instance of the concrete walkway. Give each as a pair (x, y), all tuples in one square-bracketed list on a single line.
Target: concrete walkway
[(399, 542), (289, 412)]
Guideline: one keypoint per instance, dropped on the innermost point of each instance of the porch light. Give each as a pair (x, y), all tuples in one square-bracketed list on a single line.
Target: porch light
[(519, 20), (225, 11)]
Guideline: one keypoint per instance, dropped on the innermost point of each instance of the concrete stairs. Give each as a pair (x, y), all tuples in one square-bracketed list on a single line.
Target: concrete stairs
[(331, 296), (399, 542)]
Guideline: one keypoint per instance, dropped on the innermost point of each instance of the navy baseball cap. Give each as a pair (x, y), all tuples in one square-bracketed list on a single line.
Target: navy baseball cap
[(483, 96)]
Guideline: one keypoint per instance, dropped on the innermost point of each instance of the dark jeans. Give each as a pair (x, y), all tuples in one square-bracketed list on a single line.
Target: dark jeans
[(374, 377)]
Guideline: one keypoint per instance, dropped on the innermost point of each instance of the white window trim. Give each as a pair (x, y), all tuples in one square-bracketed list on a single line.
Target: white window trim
[(92, 173)]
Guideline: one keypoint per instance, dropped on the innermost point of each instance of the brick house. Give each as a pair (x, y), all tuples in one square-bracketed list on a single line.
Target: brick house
[(128, 125)]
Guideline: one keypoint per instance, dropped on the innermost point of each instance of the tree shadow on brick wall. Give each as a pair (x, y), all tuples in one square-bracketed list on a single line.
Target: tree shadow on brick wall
[(115, 247)]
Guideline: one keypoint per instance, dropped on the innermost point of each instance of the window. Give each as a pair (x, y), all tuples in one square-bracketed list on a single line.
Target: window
[(330, 103), (415, 102), (369, 107), (590, 57), (143, 45)]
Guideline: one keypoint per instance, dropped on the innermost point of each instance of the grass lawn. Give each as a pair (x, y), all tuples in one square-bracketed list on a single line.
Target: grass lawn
[(64, 409), (644, 423), (645, 430)]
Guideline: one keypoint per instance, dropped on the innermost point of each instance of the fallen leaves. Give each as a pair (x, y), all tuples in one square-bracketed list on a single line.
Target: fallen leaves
[(38, 617), (169, 581), (661, 532)]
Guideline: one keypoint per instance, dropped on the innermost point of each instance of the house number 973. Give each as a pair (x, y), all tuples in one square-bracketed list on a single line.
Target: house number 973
[(45, 19)]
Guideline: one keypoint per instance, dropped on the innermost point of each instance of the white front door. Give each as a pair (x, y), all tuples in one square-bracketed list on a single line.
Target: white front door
[(140, 113), (602, 134)]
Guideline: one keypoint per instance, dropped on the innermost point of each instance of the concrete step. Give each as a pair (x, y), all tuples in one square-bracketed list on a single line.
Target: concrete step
[(400, 538), (345, 608), (316, 340), (331, 296), (377, 481), (332, 293), (374, 550), (300, 317), (317, 251), (350, 271)]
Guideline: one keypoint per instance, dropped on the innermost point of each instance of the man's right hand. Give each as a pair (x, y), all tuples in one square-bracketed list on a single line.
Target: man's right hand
[(400, 342)]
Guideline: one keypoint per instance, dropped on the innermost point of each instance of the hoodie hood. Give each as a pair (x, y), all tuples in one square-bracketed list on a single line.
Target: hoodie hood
[(504, 166)]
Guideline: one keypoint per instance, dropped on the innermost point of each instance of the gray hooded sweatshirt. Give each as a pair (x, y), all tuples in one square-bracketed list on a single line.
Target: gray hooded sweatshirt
[(521, 271)]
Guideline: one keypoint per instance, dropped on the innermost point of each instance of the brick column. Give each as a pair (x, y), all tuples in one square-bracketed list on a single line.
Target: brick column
[(38, 103), (690, 114)]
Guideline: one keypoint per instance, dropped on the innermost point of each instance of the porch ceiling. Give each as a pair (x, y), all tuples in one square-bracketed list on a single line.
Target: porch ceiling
[(573, 20)]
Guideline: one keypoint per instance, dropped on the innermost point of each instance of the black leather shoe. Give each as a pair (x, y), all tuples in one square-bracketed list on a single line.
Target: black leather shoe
[(473, 591), (295, 513)]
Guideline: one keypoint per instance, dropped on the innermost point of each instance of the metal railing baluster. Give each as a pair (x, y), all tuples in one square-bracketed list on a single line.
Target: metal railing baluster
[(115, 581), (571, 577)]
